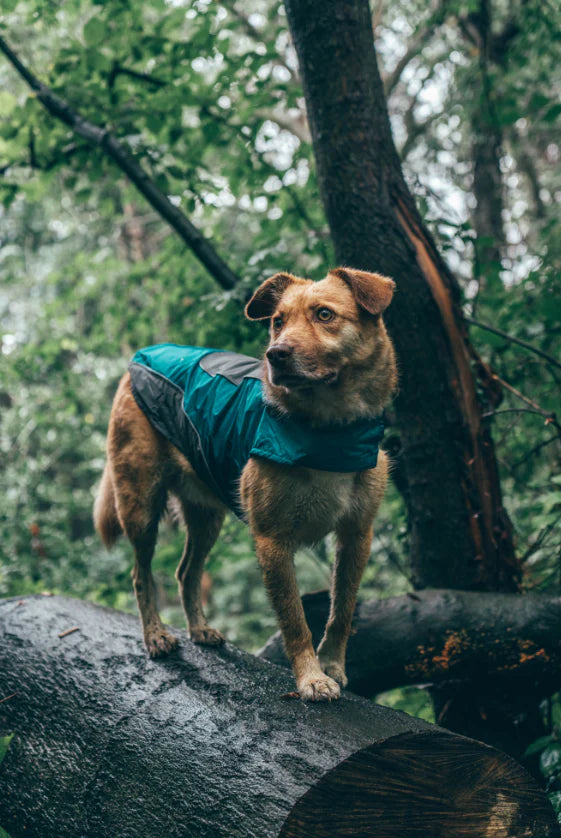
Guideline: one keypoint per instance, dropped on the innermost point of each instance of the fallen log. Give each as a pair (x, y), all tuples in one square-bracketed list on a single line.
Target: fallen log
[(433, 636), (109, 743)]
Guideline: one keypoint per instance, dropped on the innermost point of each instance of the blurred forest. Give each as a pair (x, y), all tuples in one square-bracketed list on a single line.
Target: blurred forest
[(207, 96)]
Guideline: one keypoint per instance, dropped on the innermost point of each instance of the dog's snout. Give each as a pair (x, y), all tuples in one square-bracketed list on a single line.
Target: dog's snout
[(279, 353)]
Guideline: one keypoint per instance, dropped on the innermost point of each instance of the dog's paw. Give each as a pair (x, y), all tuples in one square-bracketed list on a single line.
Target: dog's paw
[(160, 642), (206, 636), (318, 688), (335, 670)]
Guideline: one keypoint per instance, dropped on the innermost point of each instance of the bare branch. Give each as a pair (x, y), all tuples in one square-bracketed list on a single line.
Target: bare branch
[(257, 35), (528, 167), (415, 130), (550, 417), (512, 339), (523, 398), (534, 450), (419, 40), (119, 70), (297, 125), (539, 412), (99, 136)]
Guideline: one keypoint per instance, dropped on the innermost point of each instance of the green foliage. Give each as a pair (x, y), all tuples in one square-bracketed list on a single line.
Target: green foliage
[(549, 750), (4, 745), (413, 700)]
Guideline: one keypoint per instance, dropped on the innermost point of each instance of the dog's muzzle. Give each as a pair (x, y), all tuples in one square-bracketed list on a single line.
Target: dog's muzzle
[(278, 355)]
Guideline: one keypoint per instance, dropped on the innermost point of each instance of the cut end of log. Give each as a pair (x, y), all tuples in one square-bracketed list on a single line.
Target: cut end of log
[(429, 784)]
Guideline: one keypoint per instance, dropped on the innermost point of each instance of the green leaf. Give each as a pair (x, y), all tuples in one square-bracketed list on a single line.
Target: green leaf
[(154, 122), (99, 61), (555, 800), (538, 745), (552, 113), (94, 31), (4, 745), (550, 760), (7, 103)]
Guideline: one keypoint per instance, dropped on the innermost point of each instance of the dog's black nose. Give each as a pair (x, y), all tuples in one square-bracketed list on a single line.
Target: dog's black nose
[(279, 353)]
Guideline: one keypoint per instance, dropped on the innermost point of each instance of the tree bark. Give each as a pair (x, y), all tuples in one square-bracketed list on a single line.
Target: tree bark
[(460, 534), (107, 742)]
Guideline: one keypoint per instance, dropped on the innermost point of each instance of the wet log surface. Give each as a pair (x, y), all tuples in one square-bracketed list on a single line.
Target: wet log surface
[(203, 744)]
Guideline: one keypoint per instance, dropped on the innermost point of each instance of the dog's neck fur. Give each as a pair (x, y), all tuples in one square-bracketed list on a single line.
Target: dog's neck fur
[(361, 391)]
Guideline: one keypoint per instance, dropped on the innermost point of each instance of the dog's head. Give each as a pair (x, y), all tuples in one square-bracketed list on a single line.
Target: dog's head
[(319, 328)]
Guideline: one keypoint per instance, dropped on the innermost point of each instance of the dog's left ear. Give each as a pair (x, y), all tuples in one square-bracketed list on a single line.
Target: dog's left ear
[(265, 299), (373, 292)]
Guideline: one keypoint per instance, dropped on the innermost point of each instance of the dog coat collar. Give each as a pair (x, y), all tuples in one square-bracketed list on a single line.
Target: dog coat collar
[(209, 404)]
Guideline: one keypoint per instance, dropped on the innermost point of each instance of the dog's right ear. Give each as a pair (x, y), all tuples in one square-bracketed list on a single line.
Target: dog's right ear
[(265, 299), (373, 292)]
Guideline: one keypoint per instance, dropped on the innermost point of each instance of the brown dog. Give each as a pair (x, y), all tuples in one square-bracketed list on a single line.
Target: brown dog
[(329, 361)]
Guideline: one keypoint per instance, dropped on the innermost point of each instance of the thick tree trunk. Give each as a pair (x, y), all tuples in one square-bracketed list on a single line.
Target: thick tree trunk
[(202, 744), (459, 532)]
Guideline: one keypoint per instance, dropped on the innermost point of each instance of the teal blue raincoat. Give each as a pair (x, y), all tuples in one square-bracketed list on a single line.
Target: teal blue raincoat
[(209, 404)]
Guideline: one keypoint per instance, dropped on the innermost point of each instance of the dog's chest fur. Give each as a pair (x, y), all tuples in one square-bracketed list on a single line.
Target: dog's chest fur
[(320, 501), (304, 503)]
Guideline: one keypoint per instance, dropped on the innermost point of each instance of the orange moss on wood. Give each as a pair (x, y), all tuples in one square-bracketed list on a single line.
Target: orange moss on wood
[(430, 660)]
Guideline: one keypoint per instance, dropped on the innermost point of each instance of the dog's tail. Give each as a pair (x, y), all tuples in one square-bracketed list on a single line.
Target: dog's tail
[(105, 515)]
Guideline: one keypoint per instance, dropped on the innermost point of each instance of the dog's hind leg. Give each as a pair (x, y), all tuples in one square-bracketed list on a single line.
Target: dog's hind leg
[(158, 640), (140, 517), (135, 452), (203, 526)]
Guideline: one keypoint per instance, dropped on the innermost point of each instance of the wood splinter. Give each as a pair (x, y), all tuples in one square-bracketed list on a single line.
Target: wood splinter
[(69, 631)]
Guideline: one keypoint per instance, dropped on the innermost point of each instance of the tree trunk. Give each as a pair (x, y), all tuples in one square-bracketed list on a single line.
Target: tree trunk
[(460, 535), (202, 744), (487, 141), (488, 192)]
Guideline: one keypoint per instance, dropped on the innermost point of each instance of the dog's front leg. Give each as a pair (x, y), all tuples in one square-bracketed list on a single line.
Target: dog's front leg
[(353, 550), (277, 563)]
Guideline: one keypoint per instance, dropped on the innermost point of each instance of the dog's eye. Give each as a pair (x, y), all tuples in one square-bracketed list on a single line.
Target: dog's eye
[(324, 314), (277, 323)]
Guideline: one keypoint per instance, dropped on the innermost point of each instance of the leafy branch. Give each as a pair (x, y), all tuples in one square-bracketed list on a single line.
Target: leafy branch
[(100, 137)]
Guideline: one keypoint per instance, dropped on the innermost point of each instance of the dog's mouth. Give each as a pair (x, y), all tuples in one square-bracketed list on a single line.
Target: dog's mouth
[(299, 381)]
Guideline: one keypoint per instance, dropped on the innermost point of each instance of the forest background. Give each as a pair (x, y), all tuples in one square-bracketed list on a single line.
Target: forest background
[(207, 96)]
